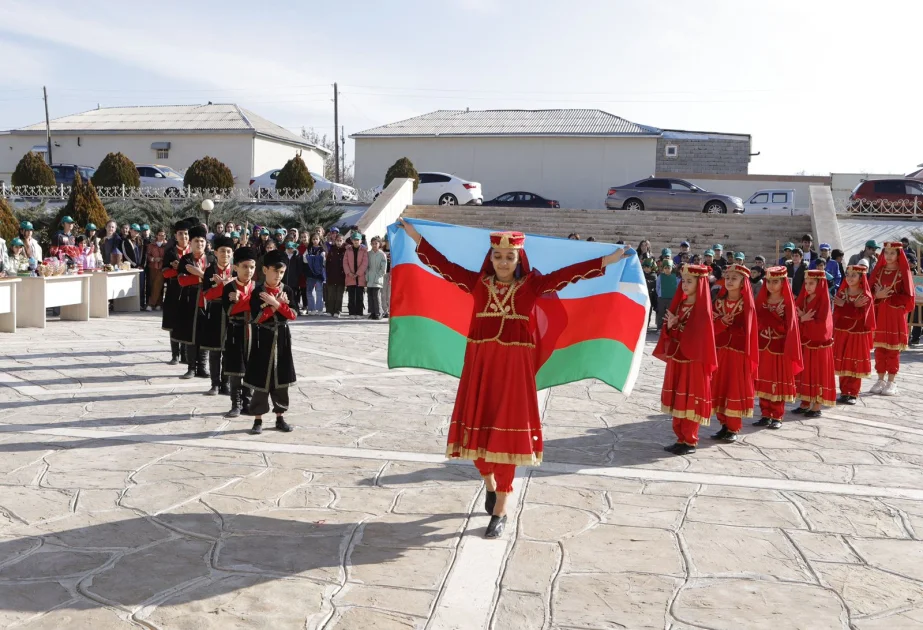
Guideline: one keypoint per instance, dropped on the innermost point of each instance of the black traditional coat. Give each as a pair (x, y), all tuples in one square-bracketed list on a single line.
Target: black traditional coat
[(191, 304), (212, 320), (171, 296), (270, 365), (237, 335)]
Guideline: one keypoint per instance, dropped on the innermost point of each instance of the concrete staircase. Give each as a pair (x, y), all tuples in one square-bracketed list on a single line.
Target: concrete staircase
[(750, 234)]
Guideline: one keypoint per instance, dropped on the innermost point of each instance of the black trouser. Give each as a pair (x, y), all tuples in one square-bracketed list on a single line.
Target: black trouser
[(240, 395), (196, 359), (334, 301), (375, 301), (214, 364), (356, 304), (142, 287), (259, 403), (302, 298), (175, 348)]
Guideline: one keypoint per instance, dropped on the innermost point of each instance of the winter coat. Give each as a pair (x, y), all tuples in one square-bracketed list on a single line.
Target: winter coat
[(378, 267), (314, 263), (335, 265), (355, 265)]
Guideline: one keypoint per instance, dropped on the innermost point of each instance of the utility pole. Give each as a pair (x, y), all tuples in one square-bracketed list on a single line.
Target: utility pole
[(47, 126), (343, 144), (336, 126)]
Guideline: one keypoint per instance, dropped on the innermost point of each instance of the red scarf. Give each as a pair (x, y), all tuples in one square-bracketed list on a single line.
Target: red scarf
[(792, 334), (823, 315), (870, 324), (905, 282), (698, 342)]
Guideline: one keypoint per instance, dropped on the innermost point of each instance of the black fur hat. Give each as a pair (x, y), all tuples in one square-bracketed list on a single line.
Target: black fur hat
[(244, 254), (274, 259), (222, 241), (197, 231)]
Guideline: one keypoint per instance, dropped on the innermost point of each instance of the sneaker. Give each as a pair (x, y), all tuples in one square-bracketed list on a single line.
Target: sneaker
[(282, 425), (852, 400), (800, 410), (257, 427), (878, 387), (890, 389), (843, 400), (813, 413), (775, 424), (233, 413), (731, 437), (173, 361), (762, 422), (336, 315), (722, 434), (673, 448), (188, 374), (148, 309), (213, 391)]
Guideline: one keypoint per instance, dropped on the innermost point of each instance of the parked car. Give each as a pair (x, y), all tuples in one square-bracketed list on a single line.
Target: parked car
[(883, 192), (447, 190), (66, 173), (521, 199), (775, 201), (161, 177), (265, 185), (658, 193)]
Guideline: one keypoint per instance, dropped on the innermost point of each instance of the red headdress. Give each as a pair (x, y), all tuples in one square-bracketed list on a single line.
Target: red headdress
[(792, 334), (903, 266), (699, 335), (507, 240), (821, 328), (752, 349), (863, 271)]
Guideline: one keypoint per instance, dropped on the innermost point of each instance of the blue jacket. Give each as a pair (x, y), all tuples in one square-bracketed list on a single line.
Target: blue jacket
[(835, 271), (315, 268)]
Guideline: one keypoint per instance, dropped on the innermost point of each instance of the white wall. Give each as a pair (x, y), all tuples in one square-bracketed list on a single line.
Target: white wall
[(575, 171), (235, 150), (269, 155)]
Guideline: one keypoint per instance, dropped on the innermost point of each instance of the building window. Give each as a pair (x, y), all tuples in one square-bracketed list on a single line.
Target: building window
[(163, 154), (671, 150)]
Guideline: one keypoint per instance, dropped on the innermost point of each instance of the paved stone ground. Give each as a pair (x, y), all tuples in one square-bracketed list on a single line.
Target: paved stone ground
[(127, 500)]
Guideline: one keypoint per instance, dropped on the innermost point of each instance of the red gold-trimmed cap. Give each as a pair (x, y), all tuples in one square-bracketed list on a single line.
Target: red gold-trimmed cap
[(696, 271), (777, 272), (893, 245), (741, 269), (817, 274), (857, 268), (507, 240)]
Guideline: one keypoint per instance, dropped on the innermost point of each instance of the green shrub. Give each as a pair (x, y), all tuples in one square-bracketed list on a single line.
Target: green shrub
[(403, 168), (83, 206), (116, 170), (294, 178), (9, 226), (33, 171), (208, 173)]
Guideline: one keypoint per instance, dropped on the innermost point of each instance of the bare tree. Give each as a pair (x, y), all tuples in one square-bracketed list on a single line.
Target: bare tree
[(348, 171)]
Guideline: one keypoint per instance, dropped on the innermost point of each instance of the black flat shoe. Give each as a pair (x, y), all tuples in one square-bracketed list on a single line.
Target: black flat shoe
[(813, 414), (203, 375), (233, 413), (852, 400), (722, 434), (762, 422), (282, 425), (800, 410), (672, 448), (212, 392), (843, 400), (188, 374), (685, 449), (173, 361), (490, 500), (775, 424), (257, 427), (495, 527), (224, 390)]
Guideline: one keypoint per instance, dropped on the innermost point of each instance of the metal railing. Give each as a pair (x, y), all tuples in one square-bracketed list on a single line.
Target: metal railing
[(62, 192), (879, 207)]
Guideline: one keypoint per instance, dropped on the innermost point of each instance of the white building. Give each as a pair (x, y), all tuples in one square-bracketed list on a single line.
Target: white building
[(571, 155), (172, 135)]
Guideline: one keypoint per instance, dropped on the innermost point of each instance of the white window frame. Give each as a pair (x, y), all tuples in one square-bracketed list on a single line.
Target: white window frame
[(671, 151), (163, 154)]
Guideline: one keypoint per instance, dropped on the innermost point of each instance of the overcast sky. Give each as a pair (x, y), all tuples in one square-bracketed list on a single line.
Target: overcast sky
[(821, 85)]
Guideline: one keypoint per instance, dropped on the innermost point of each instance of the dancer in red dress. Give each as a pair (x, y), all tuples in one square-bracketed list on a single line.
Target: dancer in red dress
[(687, 345), (496, 421), (780, 348), (734, 315), (892, 284), (853, 326), (816, 383)]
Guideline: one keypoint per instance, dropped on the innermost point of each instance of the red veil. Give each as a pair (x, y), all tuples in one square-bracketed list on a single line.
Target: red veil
[(821, 328), (792, 334), (699, 335), (867, 292), (752, 334), (903, 266)]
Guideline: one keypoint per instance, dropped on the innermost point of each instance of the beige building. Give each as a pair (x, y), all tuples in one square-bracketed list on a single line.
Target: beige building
[(172, 135), (572, 155)]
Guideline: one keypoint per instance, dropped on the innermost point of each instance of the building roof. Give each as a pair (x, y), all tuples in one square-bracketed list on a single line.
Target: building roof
[(512, 122), (682, 134), (210, 118)]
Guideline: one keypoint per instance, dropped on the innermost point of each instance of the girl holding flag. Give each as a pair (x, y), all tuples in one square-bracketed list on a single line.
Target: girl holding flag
[(496, 420)]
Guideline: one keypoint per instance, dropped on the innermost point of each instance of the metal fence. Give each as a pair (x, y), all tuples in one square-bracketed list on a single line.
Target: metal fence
[(62, 192), (879, 208)]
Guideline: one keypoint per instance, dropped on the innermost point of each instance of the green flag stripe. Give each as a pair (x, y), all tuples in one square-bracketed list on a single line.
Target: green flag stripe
[(605, 359), (421, 342)]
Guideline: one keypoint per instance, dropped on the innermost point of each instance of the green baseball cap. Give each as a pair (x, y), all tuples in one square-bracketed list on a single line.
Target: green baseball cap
[(648, 262), (16, 242), (290, 245), (740, 256), (91, 226), (25, 225), (66, 220), (264, 231), (145, 226), (235, 234), (710, 252), (666, 251), (135, 227), (667, 262), (281, 231), (873, 243), (356, 236), (718, 246), (789, 246)]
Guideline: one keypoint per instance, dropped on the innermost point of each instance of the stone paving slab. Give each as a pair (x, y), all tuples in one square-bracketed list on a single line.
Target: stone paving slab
[(127, 500)]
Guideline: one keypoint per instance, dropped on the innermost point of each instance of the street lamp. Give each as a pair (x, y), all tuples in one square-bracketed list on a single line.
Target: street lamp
[(207, 206)]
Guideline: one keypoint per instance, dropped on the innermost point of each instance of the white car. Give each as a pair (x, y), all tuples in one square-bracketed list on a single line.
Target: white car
[(447, 190), (162, 178), (773, 201), (265, 185)]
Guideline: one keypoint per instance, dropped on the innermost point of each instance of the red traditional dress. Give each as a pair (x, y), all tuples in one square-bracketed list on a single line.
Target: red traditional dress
[(891, 312), (853, 327), (496, 420), (780, 348), (738, 354), (816, 383), (688, 348)]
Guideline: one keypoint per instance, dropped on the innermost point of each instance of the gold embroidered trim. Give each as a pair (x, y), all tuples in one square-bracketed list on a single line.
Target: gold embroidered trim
[(521, 344), (593, 273), (888, 346), (467, 428), (688, 414), (823, 345), (456, 451), (733, 413), (853, 374), (818, 399), (503, 315), (446, 276), (774, 397)]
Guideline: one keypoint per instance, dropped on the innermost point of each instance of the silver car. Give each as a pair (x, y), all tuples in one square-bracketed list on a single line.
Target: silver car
[(660, 193)]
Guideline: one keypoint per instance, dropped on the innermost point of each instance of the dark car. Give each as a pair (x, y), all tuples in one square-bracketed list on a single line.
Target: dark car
[(522, 199), (65, 173), (887, 195), (661, 193)]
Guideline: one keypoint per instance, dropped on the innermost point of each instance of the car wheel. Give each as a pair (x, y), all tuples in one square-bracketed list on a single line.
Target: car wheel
[(634, 205), (715, 207), (448, 199)]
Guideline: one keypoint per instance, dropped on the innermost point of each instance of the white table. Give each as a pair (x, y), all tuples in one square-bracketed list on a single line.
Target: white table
[(71, 293), (122, 287), (8, 304)]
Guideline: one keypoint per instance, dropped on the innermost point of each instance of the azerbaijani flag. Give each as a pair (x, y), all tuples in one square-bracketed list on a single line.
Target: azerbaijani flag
[(598, 325)]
